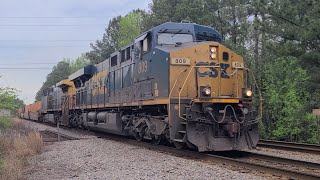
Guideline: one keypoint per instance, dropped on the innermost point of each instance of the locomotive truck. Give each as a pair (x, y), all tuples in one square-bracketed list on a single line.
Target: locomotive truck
[(175, 83)]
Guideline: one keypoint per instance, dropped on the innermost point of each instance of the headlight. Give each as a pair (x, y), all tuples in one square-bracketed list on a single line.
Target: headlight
[(213, 52), (213, 49), (248, 93), (213, 56), (206, 91)]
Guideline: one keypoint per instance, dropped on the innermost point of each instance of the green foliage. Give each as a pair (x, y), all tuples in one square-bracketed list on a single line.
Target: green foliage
[(9, 99), (62, 71), (78, 63), (130, 28), (102, 49), (120, 32), (5, 122), (285, 98)]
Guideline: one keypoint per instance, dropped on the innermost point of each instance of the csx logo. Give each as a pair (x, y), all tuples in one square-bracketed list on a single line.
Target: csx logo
[(213, 71)]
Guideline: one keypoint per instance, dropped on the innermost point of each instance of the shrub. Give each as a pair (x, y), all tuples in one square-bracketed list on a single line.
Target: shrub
[(5, 122), (17, 144)]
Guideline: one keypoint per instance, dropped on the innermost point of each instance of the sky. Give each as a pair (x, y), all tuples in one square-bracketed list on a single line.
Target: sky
[(39, 33)]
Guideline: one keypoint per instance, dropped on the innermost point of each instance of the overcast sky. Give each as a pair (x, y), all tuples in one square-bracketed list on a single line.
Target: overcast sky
[(23, 41)]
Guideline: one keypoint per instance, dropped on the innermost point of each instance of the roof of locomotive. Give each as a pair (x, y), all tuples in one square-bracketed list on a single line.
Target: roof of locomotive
[(182, 27), (193, 28)]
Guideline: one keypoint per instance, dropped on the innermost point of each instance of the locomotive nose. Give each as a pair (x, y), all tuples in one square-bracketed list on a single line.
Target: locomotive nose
[(216, 75)]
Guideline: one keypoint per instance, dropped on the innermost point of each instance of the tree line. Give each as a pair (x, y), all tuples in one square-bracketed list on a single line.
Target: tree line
[(279, 40)]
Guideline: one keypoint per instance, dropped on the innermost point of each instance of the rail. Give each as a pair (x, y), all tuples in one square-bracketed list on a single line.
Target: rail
[(290, 146)]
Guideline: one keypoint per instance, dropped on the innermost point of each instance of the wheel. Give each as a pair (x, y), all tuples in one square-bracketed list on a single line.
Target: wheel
[(139, 135), (157, 140), (179, 145)]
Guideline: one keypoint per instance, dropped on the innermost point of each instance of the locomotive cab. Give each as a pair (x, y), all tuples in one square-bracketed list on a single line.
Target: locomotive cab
[(209, 97)]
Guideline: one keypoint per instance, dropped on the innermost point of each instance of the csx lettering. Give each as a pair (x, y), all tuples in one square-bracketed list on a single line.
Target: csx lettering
[(213, 73), (224, 68)]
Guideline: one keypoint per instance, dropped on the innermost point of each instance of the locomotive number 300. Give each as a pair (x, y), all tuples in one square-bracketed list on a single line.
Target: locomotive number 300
[(142, 67)]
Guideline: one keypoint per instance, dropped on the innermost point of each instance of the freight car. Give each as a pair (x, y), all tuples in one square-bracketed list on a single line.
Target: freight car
[(176, 82), (31, 111)]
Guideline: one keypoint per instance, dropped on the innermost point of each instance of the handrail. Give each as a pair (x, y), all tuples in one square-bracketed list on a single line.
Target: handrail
[(174, 84)]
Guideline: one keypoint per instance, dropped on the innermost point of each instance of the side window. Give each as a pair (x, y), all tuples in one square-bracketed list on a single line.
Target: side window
[(128, 52), (145, 45), (114, 60), (123, 55), (137, 50)]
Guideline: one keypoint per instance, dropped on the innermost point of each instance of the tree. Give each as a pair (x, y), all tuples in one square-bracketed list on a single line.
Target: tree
[(286, 96), (59, 72), (78, 63), (163, 11), (120, 32), (9, 99), (130, 26), (102, 49), (62, 71)]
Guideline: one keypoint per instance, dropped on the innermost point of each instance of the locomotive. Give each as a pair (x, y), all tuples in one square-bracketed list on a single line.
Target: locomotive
[(175, 83)]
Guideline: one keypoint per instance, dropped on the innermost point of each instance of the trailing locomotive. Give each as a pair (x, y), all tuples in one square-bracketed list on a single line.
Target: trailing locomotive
[(176, 82)]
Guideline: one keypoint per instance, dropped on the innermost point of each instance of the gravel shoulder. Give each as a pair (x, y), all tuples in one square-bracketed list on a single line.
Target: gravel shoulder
[(94, 158), (107, 159)]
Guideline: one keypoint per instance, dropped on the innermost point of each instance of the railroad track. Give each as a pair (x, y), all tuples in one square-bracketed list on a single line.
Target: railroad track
[(288, 168), (289, 146), (49, 136)]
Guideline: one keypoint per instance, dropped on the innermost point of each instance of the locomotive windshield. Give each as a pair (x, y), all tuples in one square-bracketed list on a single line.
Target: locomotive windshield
[(174, 38), (206, 37)]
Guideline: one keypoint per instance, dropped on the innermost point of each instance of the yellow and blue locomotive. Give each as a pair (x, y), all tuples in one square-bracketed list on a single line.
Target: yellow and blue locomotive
[(176, 82)]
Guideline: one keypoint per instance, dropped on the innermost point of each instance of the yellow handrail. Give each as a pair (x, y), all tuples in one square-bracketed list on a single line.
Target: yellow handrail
[(174, 84)]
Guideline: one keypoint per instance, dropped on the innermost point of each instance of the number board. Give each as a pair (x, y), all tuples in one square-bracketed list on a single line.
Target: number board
[(180, 61), (237, 65)]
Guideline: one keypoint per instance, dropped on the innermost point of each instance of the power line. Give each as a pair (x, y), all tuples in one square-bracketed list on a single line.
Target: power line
[(47, 40), (27, 63), (26, 68), (51, 25), (8, 47), (30, 58), (52, 17)]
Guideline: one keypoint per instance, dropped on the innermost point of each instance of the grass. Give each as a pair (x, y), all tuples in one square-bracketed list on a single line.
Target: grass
[(5, 122), (17, 144)]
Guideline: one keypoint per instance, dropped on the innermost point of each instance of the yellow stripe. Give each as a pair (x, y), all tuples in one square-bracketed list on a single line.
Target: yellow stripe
[(218, 100)]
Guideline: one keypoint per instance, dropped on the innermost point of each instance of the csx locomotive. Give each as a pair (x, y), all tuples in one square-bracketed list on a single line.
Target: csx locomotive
[(176, 82)]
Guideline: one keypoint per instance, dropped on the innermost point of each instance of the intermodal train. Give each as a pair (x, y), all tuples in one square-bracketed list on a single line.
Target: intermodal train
[(176, 83)]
